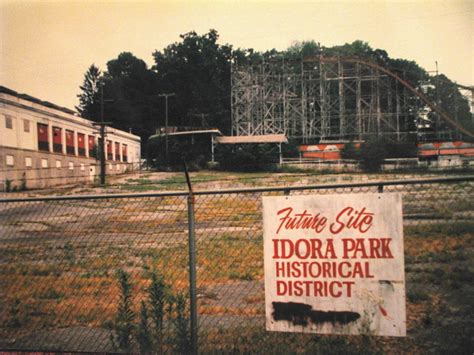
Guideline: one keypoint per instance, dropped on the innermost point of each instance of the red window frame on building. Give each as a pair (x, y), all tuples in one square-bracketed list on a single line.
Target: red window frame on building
[(109, 150), (124, 153), (91, 146), (43, 137), (81, 144), (117, 151), (70, 142), (57, 140)]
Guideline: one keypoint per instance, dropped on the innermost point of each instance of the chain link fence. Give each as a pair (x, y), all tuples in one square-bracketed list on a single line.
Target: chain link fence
[(111, 273)]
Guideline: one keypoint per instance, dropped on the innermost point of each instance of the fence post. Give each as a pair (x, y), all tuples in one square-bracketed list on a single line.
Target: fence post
[(192, 265)]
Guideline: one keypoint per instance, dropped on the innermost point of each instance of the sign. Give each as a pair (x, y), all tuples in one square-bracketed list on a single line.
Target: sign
[(334, 264)]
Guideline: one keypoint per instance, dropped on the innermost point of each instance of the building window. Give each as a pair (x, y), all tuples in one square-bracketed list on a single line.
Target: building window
[(8, 122), (117, 151), (58, 164), (43, 137), (92, 147), (71, 165), (81, 144), (44, 163), (10, 160), (109, 151), (26, 125), (83, 167), (124, 153), (28, 162), (70, 142), (57, 140)]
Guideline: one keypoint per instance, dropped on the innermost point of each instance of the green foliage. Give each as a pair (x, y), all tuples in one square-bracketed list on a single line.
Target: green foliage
[(157, 297), (8, 185), (89, 98), (130, 90), (401, 150), (150, 334), (247, 157), (181, 323), (445, 92), (197, 152), (290, 149), (197, 69), (350, 152), (143, 334), (123, 324), (299, 49), (372, 154)]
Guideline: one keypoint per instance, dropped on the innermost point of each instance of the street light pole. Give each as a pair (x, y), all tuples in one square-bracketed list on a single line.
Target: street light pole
[(166, 121)]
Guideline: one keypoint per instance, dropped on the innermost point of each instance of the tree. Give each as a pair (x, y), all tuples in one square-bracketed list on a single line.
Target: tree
[(197, 69), (89, 99), (445, 93), (299, 49), (372, 154), (350, 152), (130, 89)]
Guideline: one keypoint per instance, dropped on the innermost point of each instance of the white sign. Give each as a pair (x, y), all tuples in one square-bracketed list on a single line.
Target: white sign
[(334, 264)]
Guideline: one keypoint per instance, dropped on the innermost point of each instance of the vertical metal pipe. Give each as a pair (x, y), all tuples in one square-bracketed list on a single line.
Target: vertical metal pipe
[(342, 114), (192, 265), (358, 101), (102, 154)]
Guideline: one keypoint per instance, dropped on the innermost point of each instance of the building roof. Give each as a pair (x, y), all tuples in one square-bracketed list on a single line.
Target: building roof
[(268, 138), (35, 100), (200, 131), (188, 133)]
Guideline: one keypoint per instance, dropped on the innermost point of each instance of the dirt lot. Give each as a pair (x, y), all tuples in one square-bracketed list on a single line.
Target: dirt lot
[(59, 290)]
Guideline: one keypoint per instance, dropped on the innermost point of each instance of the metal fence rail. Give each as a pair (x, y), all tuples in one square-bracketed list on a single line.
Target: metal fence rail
[(110, 272)]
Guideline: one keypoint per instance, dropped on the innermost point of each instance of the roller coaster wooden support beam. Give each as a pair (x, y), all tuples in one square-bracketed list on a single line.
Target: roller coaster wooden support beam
[(405, 83)]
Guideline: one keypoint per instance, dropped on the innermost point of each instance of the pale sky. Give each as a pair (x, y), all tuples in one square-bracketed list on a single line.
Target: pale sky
[(46, 46)]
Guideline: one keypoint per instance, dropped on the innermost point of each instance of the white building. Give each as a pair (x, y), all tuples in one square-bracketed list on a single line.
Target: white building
[(43, 145)]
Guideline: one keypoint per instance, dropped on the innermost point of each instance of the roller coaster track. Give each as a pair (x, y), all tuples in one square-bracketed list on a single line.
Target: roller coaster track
[(405, 83), (470, 88)]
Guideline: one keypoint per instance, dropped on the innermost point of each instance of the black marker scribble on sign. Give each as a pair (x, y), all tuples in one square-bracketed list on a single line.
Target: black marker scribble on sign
[(302, 314)]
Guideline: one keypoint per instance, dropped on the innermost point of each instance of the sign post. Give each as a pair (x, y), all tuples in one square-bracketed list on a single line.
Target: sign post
[(334, 264)]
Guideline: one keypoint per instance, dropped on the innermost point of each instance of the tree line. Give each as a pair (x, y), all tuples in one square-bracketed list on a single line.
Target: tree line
[(197, 70)]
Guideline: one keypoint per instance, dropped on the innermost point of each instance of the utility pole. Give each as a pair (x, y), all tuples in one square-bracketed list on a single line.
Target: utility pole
[(166, 120), (102, 126)]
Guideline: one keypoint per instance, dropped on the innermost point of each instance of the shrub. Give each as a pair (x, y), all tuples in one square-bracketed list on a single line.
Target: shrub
[(247, 157), (182, 337), (350, 152), (123, 324), (143, 334), (372, 154), (157, 297)]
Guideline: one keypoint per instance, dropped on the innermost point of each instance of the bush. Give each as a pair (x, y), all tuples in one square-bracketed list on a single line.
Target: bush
[(197, 154), (247, 157), (123, 325), (373, 152), (350, 152)]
